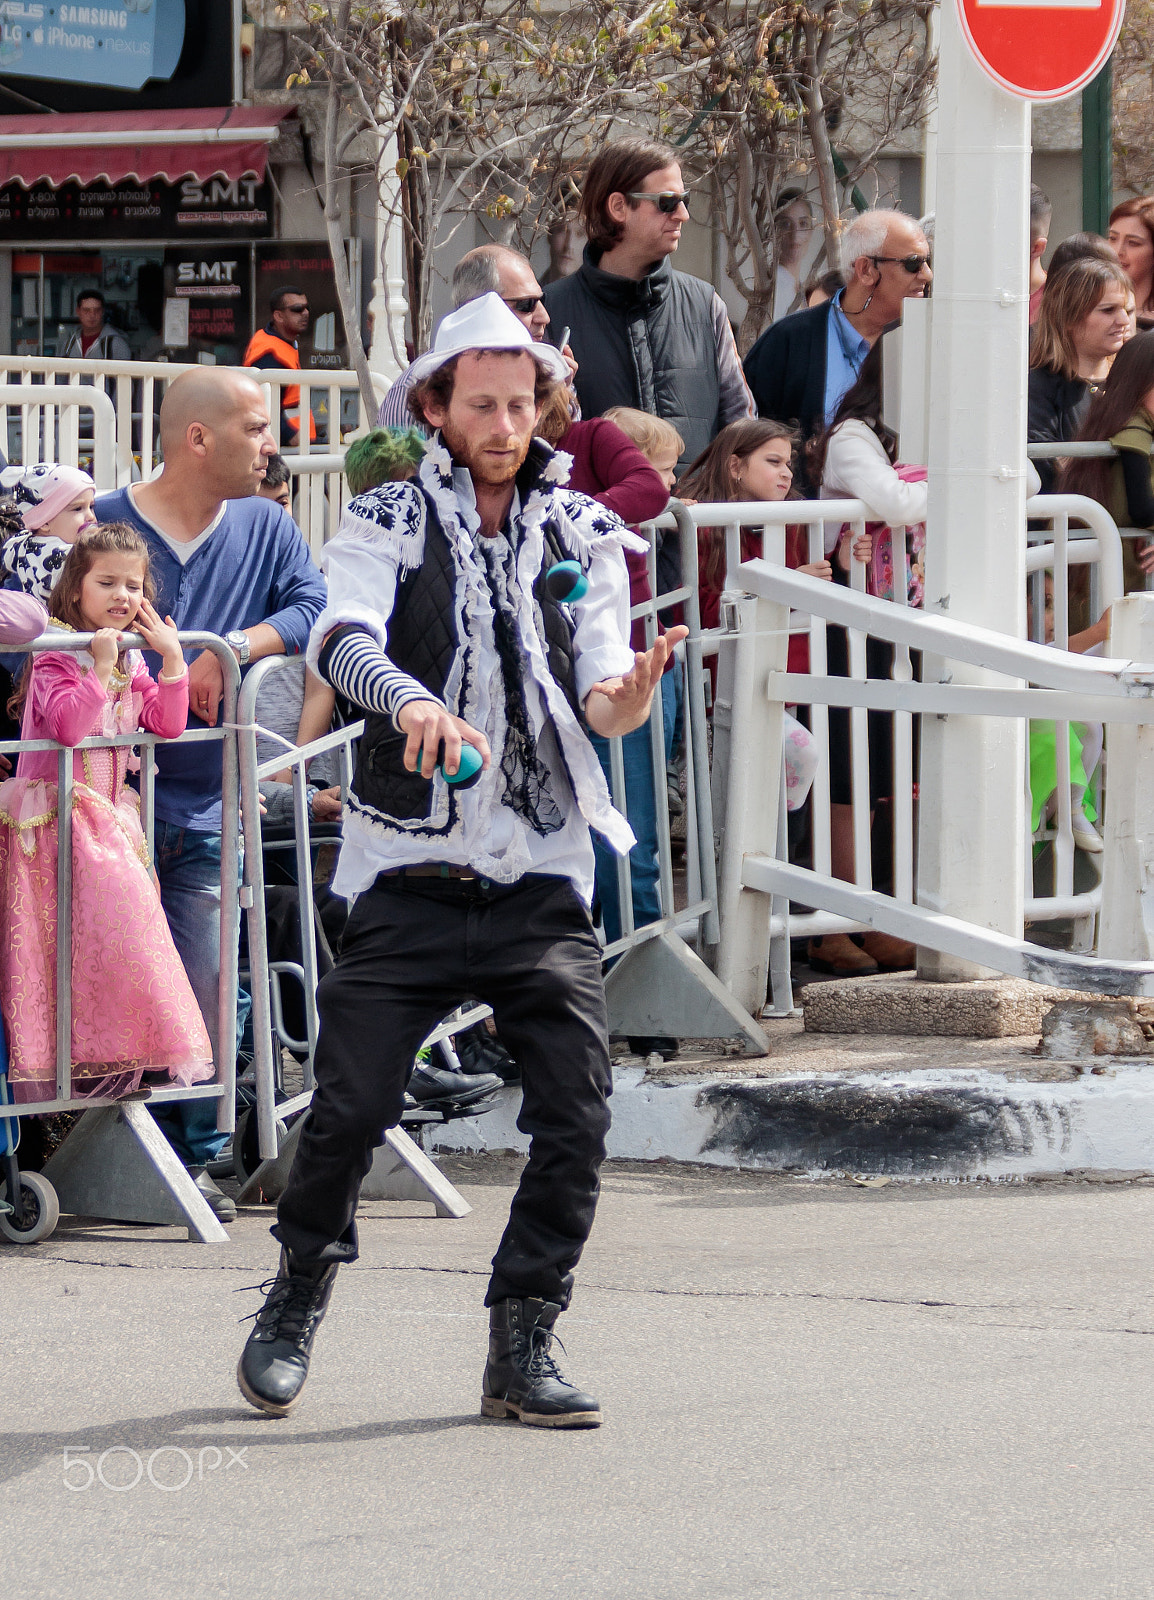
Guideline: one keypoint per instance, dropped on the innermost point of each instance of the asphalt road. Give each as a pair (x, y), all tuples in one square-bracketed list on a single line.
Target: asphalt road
[(809, 1390)]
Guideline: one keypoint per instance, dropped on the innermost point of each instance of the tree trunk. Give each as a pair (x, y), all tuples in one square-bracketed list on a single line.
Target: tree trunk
[(818, 131), (345, 293)]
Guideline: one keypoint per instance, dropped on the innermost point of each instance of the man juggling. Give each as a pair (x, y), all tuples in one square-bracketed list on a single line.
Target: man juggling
[(442, 627)]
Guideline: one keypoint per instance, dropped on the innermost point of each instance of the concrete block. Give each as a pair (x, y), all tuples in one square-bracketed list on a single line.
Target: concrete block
[(988, 1008), (1075, 1029)]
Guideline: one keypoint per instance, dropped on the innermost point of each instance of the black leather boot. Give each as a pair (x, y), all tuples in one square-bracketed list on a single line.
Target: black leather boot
[(274, 1364), (521, 1377)]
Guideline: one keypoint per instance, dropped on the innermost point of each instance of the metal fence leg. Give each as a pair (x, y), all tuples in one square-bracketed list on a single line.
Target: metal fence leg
[(661, 986), (117, 1165), (400, 1171)]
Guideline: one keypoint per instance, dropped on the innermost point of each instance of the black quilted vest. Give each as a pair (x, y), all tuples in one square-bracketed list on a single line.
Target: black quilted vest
[(649, 344), (422, 642)]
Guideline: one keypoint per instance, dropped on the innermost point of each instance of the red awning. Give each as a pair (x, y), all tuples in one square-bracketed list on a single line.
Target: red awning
[(108, 147)]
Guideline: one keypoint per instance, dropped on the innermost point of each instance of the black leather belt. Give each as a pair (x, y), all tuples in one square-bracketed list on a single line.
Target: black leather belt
[(431, 869)]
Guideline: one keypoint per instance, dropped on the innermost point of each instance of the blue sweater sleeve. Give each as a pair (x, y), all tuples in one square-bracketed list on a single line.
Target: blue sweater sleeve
[(297, 593)]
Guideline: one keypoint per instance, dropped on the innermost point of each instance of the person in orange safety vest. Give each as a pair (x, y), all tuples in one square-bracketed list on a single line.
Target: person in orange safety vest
[(275, 345)]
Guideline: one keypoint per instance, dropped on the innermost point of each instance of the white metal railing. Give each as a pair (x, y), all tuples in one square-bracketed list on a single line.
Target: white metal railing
[(1056, 548), (1045, 683), (136, 389)]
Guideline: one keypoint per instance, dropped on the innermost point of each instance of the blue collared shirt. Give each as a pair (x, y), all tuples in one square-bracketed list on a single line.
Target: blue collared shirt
[(845, 355)]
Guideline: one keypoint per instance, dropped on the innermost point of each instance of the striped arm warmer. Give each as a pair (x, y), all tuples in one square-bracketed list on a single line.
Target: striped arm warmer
[(353, 662)]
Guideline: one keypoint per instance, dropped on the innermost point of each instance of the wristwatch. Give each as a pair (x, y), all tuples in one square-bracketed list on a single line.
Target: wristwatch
[(237, 642)]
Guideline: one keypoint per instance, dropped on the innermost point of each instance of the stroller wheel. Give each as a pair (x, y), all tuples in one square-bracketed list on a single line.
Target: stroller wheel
[(38, 1212)]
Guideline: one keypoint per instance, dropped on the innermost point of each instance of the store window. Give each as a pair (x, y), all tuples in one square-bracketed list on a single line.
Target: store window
[(47, 284)]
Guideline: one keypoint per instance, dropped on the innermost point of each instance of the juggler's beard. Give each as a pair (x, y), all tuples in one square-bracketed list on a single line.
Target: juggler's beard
[(482, 470)]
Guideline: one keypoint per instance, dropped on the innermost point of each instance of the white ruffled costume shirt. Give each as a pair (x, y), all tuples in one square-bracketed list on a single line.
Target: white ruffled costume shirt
[(380, 539)]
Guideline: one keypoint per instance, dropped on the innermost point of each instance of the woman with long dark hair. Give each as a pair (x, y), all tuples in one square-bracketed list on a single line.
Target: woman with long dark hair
[(1122, 413), (1083, 323)]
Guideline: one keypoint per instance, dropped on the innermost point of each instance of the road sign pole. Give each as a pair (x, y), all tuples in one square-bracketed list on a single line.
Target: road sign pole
[(1098, 152), (972, 814)]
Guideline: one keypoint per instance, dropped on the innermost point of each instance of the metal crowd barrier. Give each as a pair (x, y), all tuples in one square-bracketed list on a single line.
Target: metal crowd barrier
[(116, 1163), (1059, 687), (401, 1170), (135, 390)]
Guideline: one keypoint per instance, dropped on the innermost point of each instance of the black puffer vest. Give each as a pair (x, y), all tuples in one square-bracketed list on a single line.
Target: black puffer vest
[(650, 345), (423, 642)]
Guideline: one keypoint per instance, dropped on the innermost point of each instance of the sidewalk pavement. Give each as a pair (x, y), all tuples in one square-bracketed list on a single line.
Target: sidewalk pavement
[(810, 1389)]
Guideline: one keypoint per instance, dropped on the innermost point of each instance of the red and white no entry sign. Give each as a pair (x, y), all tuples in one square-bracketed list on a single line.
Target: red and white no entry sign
[(1041, 49)]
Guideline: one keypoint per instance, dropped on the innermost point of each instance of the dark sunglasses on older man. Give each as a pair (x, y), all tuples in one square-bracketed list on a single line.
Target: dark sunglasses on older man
[(667, 203), (523, 306), (912, 264)]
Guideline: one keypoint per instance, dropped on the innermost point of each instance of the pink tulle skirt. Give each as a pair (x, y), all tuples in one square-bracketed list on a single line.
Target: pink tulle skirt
[(133, 1010)]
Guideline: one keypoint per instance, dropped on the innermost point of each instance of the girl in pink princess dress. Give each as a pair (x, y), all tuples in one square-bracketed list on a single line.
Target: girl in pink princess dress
[(133, 1010)]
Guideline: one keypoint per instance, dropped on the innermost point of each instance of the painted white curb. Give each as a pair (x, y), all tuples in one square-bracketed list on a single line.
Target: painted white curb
[(936, 1123)]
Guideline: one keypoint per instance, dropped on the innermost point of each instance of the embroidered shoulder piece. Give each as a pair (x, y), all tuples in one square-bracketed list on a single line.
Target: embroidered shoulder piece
[(391, 515), (585, 523)]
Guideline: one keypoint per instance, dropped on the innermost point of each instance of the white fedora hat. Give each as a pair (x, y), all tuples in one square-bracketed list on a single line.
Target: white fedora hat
[(484, 324)]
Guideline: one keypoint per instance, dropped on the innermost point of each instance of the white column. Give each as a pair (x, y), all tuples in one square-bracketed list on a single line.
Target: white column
[(972, 824), (1126, 924), (388, 307)]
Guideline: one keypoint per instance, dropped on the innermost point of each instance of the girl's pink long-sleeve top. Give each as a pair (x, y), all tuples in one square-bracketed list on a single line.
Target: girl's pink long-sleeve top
[(66, 702)]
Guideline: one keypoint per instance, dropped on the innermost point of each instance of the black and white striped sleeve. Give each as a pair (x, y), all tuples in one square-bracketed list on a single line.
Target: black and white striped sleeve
[(352, 661)]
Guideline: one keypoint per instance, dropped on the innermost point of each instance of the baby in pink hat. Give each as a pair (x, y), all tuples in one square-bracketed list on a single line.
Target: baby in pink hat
[(55, 507)]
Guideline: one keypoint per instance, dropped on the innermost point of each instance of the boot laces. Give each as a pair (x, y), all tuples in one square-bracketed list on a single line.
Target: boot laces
[(287, 1312), (541, 1363)]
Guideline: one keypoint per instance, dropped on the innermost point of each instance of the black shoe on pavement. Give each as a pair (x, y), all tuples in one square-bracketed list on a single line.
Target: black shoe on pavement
[(659, 1044), (434, 1087), (480, 1051), (274, 1363), (223, 1206), (521, 1377)]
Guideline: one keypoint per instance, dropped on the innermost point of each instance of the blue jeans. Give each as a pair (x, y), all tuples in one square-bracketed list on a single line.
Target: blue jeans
[(641, 804), (188, 867)]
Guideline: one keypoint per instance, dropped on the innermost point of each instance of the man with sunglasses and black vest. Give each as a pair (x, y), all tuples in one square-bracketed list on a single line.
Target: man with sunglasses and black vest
[(644, 335), (801, 368), (444, 625)]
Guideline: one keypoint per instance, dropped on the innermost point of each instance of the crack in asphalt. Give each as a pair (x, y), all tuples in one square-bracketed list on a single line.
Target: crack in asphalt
[(916, 1303)]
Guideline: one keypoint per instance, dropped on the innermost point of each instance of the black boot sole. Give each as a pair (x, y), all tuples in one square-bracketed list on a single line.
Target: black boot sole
[(269, 1407), (509, 1410)]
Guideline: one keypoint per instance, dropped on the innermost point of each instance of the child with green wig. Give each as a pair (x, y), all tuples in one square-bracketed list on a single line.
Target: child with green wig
[(387, 455)]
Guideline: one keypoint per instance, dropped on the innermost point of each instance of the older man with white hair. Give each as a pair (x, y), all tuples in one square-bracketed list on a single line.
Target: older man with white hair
[(801, 368), (444, 627)]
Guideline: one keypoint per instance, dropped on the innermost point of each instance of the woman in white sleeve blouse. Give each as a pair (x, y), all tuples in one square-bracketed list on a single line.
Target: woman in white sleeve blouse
[(854, 460)]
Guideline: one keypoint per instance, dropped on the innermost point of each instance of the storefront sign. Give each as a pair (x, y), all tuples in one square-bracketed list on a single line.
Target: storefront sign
[(110, 45), (194, 60), (214, 284), (240, 209)]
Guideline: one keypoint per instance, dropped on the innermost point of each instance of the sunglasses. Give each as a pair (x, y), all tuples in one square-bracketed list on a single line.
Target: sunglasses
[(912, 264), (296, 311), (666, 203), (523, 306)]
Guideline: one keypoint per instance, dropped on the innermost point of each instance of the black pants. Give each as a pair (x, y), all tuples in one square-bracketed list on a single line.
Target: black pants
[(413, 949)]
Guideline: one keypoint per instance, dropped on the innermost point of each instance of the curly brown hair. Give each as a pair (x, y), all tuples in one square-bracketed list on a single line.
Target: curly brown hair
[(439, 385)]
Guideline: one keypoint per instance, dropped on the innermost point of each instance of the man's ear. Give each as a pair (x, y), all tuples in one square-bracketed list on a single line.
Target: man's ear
[(1038, 249), (434, 414), (617, 206), (198, 438)]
